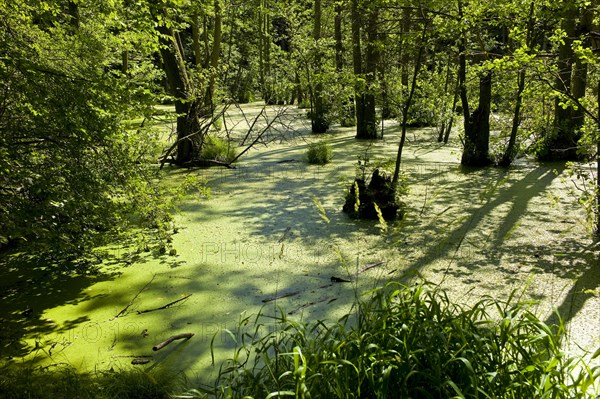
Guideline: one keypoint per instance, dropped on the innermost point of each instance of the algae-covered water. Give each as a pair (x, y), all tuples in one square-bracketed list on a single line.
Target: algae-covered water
[(272, 234)]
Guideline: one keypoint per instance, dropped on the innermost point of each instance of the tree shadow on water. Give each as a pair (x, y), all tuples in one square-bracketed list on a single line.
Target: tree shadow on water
[(30, 285)]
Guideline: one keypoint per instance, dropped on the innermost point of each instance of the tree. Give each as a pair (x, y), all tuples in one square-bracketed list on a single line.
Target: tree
[(476, 124), (188, 104), (72, 172), (366, 125), (523, 52), (411, 92), (347, 110), (319, 121), (561, 143)]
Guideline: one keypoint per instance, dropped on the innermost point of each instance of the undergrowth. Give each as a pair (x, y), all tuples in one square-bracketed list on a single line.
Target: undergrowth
[(408, 342)]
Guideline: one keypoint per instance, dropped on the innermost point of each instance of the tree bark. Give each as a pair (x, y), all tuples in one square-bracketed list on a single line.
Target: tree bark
[(74, 19)]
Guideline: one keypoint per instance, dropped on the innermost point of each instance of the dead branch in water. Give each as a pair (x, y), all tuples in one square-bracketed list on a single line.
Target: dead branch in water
[(280, 295), (371, 265), (134, 298), (171, 339), (165, 306), (141, 360)]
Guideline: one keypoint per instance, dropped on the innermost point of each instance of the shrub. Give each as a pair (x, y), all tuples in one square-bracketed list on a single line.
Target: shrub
[(319, 153), (410, 342)]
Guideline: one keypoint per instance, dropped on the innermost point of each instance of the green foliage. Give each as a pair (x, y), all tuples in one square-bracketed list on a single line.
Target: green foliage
[(72, 173), (409, 342), (320, 153), (218, 149)]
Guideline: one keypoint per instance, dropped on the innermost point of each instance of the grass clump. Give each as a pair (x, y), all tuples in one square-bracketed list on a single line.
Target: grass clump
[(319, 153), (409, 342), (218, 149)]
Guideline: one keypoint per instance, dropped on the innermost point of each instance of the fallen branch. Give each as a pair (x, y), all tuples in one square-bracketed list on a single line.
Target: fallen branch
[(306, 305), (141, 360), (335, 279), (281, 295), (131, 356), (207, 162), (171, 339), (165, 306), (371, 265), (134, 298), (280, 113)]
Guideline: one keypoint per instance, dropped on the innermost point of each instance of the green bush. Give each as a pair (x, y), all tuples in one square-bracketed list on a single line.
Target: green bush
[(218, 149), (410, 342), (319, 153)]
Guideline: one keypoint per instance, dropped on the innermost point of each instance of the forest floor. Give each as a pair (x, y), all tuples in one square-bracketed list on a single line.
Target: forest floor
[(259, 244)]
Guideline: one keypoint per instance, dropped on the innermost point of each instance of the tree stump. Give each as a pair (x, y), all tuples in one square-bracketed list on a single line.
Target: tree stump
[(379, 191)]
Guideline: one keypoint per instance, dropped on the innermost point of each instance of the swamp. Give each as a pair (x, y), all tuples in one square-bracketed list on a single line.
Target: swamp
[(263, 198)]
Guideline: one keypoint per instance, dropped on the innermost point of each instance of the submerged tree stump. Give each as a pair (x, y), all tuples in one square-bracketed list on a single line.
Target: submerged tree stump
[(379, 191)]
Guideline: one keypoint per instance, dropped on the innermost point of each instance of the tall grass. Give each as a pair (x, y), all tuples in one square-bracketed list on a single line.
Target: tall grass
[(408, 342)]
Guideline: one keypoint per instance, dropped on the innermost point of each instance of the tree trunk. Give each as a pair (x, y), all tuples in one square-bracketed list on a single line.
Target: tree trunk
[(187, 108), (205, 42), (358, 70), (406, 107), (214, 58), (511, 151), (318, 115), (452, 112), (348, 117), (124, 61), (561, 143), (196, 43), (477, 127), (368, 128), (405, 55), (74, 19), (477, 124)]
